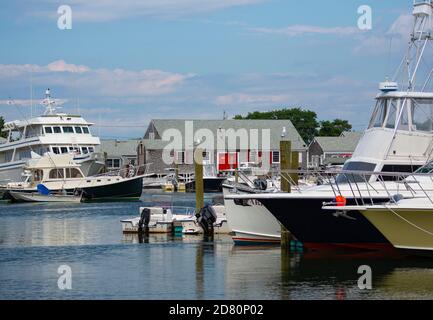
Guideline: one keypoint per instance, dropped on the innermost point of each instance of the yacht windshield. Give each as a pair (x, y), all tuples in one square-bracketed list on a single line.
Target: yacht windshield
[(355, 166), (428, 168)]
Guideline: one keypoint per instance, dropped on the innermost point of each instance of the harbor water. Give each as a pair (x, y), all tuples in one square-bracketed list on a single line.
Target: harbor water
[(35, 239)]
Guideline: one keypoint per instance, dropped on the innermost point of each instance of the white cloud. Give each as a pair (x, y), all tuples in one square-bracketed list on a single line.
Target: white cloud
[(299, 30), (99, 11), (378, 43), (103, 82), (236, 99)]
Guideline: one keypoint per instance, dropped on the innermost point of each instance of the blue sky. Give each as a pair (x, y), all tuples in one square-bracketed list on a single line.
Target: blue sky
[(126, 62)]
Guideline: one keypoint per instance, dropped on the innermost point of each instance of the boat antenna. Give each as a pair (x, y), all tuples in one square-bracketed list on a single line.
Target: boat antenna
[(49, 103)]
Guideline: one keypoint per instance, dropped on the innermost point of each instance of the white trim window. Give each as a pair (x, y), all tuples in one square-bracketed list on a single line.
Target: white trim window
[(113, 163), (276, 157)]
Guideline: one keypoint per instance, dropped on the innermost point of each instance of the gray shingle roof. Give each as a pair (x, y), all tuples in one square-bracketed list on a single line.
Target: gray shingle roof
[(276, 128), (119, 147), (347, 142)]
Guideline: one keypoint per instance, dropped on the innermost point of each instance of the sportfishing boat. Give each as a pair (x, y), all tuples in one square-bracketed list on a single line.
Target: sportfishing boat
[(54, 132), (406, 223), (399, 138), (61, 173)]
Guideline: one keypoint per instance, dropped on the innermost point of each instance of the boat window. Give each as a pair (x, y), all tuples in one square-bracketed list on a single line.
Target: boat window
[(57, 130), (422, 115), (356, 166), (56, 174), (397, 168), (68, 130), (85, 150), (379, 114), (404, 119), (78, 130), (48, 130), (91, 149), (64, 149), (426, 168), (75, 173), (86, 130), (37, 175), (392, 115), (56, 150)]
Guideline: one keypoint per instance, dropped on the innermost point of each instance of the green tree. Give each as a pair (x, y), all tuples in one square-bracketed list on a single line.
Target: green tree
[(334, 128), (2, 123), (305, 121)]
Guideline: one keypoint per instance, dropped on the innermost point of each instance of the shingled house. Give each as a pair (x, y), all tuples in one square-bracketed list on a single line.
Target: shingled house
[(119, 153), (150, 148), (325, 151)]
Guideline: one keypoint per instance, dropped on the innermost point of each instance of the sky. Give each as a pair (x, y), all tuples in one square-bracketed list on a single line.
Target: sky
[(126, 62)]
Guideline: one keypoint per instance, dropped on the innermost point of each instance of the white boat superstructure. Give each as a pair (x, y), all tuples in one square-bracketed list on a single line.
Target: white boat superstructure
[(54, 132), (60, 173)]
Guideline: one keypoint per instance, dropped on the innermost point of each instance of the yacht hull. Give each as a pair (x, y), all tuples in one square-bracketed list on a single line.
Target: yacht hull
[(318, 229), (125, 189), (408, 230), (214, 184), (252, 223)]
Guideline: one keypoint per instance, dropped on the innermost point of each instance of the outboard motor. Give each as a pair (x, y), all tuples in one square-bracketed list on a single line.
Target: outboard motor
[(261, 184), (206, 219), (143, 223)]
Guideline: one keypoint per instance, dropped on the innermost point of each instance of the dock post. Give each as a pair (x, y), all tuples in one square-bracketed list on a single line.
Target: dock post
[(198, 177), (285, 164), (295, 166)]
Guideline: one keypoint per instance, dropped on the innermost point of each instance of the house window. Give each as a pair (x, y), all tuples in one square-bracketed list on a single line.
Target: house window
[(180, 157), (113, 163), (275, 156), (152, 135), (48, 130)]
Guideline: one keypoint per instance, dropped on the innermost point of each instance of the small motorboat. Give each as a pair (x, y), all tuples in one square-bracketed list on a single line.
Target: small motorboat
[(45, 195)]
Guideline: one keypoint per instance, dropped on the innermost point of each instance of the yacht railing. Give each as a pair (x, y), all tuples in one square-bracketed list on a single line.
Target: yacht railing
[(358, 185), (128, 172)]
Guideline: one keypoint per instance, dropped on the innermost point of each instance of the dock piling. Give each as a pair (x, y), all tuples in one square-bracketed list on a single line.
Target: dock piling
[(198, 176), (285, 164)]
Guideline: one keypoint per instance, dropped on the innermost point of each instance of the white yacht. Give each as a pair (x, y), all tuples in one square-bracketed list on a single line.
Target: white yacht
[(54, 132), (399, 139)]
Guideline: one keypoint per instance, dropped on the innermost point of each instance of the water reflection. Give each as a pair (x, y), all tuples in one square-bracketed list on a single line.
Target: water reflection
[(36, 239)]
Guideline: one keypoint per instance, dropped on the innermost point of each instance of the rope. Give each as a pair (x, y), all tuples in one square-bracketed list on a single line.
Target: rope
[(412, 224)]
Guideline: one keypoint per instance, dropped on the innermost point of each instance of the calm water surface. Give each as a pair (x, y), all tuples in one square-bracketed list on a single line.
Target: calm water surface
[(35, 239)]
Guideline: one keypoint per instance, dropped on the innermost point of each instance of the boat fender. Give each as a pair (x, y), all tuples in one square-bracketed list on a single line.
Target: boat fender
[(143, 223), (397, 197)]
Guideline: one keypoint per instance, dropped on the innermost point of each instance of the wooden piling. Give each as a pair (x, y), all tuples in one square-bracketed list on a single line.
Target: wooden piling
[(198, 177), (285, 164), (295, 166)]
